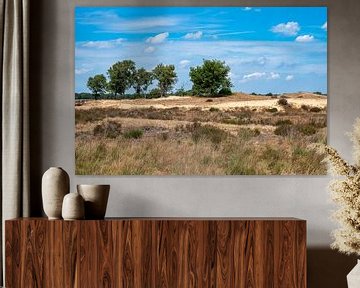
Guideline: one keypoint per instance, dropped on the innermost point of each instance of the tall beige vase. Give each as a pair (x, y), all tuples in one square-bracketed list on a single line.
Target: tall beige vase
[(55, 185), (96, 198)]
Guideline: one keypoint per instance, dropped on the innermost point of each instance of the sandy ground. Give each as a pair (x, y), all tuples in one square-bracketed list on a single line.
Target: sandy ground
[(223, 103)]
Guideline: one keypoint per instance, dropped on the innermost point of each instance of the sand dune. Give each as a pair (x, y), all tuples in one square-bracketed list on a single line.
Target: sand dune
[(223, 103)]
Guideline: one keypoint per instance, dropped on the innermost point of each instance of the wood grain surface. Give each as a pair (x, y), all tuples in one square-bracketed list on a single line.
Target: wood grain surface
[(156, 253)]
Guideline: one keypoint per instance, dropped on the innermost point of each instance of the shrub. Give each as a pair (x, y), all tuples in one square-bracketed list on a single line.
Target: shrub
[(269, 94), (307, 129), (283, 130), (108, 129), (283, 122), (305, 107), (283, 102), (133, 134), (248, 133), (180, 92), (154, 93), (214, 109), (207, 132), (164, 136), (225, 91), (209, 100), (315, 109), (272, 110), (253, 93)]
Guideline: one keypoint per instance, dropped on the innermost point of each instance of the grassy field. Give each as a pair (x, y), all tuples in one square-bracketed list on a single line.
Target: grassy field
[(236, 135)]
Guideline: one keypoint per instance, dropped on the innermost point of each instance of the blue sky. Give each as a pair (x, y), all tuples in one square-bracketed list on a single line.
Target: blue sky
[(269, 49)]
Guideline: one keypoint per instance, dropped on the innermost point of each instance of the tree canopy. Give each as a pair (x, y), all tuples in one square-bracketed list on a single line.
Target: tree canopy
[(142, 80), (121, 76), (97, 84), (166, 77), (210, 78)]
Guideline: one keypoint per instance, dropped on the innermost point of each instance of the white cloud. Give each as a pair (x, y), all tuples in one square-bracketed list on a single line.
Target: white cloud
[(149, 49), (82, 70), (195, 35), (103, 44), (184, 63), (259, 76), (273, 76), (247, 9), (324, 26), (261, 60), (305, 38), (159, 38), (109, 21), (253, 76), (288, 29), (289, 77)]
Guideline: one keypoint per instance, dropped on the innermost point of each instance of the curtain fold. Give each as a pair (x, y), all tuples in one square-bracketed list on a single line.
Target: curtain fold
[(14, 25)]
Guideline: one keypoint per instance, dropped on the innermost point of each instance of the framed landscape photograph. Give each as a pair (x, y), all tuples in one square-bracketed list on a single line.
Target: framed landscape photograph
[(200, 90)]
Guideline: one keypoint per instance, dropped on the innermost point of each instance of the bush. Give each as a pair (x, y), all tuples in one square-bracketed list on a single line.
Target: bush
[(315, 109), (272, 110), (154, 93), (214, 109), (269, 94), (283, 130), (133, 134), (283, 122), (164, 136), (181, 92), (307, 129), (225, 92), (207, 132), (305, 107), (283, 102), (108, 129), (248, 133), (209, 100)]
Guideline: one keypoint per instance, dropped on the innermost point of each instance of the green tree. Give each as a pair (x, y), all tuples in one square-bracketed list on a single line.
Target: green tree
[(142, 80), (97, 85), (166, 77), (210, 78), (121, 76)]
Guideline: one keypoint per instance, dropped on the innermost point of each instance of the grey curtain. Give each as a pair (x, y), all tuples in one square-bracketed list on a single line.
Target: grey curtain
[(14, 38)]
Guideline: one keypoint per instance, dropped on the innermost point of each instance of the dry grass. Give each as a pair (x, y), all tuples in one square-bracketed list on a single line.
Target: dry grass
[(199, 141)]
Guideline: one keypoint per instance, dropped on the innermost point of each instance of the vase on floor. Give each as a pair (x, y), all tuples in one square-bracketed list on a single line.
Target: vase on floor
[(55, 185), (73, 207), (353, 278)]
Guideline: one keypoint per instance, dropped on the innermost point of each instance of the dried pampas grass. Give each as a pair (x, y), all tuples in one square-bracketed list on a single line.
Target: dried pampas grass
[(345, 191)]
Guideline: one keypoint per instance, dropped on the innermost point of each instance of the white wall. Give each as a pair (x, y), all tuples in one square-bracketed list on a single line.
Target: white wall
[(52, 90)]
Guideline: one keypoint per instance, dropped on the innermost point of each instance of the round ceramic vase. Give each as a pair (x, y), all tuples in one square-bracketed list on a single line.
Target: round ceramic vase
[(73, 207), (96, 198), (55, 185)]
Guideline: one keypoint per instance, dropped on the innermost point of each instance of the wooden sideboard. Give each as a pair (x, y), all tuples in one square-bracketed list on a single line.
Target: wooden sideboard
[(156, 252)]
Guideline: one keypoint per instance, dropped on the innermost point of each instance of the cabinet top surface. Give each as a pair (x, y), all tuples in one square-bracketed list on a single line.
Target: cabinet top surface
[(175, 219)]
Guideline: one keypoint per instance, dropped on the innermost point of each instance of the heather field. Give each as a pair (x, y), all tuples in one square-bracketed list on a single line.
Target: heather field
[(239, 134)]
